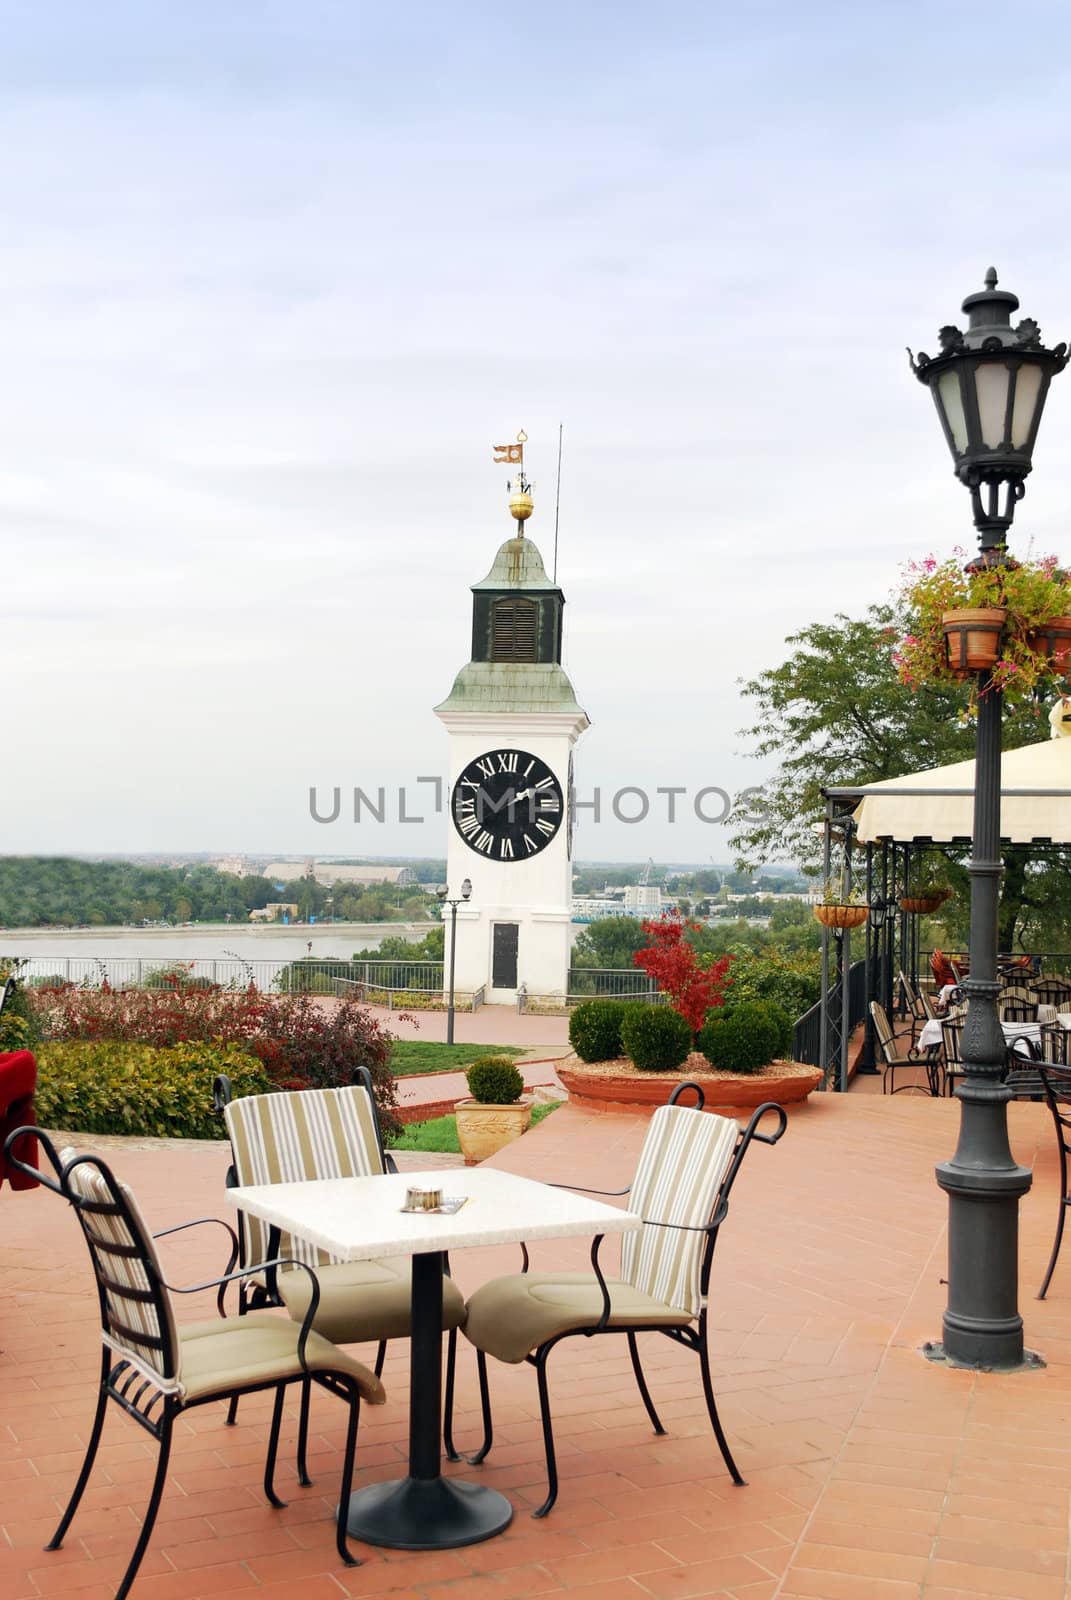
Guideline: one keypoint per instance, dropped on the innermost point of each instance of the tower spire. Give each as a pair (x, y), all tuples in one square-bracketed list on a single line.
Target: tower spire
[(519, 488)]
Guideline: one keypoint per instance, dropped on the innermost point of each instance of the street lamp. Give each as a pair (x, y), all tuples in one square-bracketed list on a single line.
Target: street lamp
[(446, 900), (989, 385)]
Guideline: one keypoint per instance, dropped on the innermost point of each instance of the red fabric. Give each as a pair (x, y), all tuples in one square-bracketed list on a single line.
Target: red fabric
[(18, 1079)]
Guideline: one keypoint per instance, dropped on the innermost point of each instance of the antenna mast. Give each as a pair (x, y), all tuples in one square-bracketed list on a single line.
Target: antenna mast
[(557, 504)]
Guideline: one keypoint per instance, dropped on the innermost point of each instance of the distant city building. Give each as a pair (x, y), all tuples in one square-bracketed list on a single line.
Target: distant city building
[(330, 873), (643, 900), (237, 866), (589, 908), (275, 911)]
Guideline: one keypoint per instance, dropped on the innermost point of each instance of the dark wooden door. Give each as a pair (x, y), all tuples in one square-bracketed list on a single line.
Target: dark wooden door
[(504, 955)]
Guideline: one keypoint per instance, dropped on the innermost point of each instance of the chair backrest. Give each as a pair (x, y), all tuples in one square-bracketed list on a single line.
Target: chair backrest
[(951, 1033), (885, 1035), (1052, 992), (1046, 1014), (296, 1136), (941, 968), (927, 1006), (684, 1161), (1054, 1044), (1014, 1009), (911, 996), (136, 1318), (1019, 991)]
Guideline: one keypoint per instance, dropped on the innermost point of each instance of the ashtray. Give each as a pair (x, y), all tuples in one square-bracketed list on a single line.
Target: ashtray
[(432, 1202)]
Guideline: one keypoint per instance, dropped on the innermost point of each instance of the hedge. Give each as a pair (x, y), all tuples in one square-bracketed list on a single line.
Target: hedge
[(101, 1086), (743, 1039), (655, 1038), (595, 1028)]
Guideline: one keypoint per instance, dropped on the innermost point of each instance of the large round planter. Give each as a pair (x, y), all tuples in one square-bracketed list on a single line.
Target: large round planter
[(729, 1094), (972, 638), (923, 904), (1053, 639), (482, 1130), (841, 916)]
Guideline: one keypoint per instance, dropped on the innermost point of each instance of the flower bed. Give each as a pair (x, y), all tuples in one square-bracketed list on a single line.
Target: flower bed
[(619, 1086)]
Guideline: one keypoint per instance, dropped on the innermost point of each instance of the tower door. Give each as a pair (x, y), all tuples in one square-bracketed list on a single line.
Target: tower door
[(504, 938)]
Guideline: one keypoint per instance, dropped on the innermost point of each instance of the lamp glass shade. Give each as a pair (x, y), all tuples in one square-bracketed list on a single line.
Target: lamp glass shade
[(1027, 393), (950, 401), (466, 888), (991, 379)]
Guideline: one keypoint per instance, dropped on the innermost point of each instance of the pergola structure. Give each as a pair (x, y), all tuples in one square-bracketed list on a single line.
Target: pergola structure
[(896, 821)]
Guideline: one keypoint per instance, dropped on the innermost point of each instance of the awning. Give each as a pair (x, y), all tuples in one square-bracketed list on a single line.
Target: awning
[(938, 804)]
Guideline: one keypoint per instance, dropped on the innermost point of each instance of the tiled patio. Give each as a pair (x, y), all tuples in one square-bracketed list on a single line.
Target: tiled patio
[(872, 1474)]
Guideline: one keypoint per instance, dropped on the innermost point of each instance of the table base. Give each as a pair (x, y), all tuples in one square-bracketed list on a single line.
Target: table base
[(427, 1514)]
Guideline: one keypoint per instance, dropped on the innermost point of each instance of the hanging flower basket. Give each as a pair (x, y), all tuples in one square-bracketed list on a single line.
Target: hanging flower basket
[(972, 638), (1053, 639), (921, 905), (841, 916)]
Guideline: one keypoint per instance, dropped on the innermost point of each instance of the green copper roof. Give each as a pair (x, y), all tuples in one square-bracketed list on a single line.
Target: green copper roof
[(518, 565), (512, 686)]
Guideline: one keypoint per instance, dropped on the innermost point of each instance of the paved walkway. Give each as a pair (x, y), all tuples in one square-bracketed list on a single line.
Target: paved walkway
[(873, 1475), (436, 1093), (488, 1025)]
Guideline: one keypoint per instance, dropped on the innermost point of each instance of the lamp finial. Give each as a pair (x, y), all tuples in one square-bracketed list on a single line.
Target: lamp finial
[(991, 278)]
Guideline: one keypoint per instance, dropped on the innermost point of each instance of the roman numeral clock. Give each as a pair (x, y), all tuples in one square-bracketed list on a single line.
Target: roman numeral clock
[(513, 719)]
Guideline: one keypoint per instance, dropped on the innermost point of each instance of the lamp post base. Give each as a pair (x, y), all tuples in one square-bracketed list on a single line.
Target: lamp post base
[(1031, 1361)]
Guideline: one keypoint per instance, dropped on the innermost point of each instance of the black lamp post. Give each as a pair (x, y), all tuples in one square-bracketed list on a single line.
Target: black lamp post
[(989, 385), (453, 903)]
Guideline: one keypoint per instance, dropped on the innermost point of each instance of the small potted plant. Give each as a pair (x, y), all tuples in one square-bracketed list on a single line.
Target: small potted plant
[(498, 1112), (839, 907), (1012, 618), (927, 896)]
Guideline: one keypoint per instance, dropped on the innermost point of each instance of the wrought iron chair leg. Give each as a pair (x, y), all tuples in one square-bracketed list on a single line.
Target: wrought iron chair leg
[(381, 1356), (232, 1411), (485, 1408), (273, 1449), (712, 1408), (343, 1548), (303, 1435), (548, 1434), (1065, 1201), (154, 1504), (641, 1383), (448, 1398), (91, 1452)]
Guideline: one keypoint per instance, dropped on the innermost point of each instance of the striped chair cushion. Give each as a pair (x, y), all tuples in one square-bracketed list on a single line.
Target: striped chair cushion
[(125, 1277), (289, 1138), (683, 1161)]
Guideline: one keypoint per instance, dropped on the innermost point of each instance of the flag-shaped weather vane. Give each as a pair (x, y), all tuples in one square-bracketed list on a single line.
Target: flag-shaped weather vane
[(519, 489)]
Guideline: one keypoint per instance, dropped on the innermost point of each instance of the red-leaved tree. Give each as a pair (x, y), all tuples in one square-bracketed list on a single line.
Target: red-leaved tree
[(695, 984)]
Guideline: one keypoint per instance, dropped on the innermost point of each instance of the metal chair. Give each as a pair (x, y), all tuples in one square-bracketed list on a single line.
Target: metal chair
[(687, 1167), (894, 1061), (293, 1137), (951, 1035), (1056, 1085), (1017, 1004), (149, 1365), (1054, 991), (919, 1007)]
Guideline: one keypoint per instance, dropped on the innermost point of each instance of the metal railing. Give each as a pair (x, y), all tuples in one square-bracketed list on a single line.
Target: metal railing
[(310, 975), (609, 983), (807, 1030)]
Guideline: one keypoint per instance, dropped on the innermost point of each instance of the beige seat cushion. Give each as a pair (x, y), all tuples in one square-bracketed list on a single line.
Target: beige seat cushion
[(234, 1352), (364, 1300), (511, 1316)]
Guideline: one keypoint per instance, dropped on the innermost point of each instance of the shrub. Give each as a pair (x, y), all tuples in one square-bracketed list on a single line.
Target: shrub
[(792, 978), (494, 1081), (742, 1040), (595, 1028), (100, 1086), (656, 1038), (19, 1027)]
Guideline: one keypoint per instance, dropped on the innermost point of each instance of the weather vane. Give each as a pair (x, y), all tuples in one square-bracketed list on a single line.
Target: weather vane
[(519, 489)]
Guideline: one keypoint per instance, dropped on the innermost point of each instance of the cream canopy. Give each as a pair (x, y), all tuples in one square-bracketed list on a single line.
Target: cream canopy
[(938, 804)]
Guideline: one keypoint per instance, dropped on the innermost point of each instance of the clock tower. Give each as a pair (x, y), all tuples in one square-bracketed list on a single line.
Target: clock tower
[(513, 719)]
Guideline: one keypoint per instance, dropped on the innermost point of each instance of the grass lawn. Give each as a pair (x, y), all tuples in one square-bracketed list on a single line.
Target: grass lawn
[(425, 1055), (439, 1135)]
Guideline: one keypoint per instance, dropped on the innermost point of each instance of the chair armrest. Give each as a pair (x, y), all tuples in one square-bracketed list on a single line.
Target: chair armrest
[(198, 1222), (389, 1163), (583, 1189)]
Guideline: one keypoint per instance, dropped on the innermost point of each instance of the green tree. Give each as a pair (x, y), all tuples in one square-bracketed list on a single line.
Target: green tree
[(609, 942)]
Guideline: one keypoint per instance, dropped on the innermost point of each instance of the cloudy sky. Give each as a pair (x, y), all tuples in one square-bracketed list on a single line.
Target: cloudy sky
[(278, 275)]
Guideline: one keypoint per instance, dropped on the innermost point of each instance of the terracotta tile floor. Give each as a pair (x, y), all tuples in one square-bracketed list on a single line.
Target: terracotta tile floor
[(872, 1474)]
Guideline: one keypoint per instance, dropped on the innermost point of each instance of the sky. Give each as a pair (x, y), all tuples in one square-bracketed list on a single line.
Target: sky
[(277, 278)]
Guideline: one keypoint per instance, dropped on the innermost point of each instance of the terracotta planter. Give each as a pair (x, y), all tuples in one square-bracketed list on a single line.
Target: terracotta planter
[(483, 1130), (842, 916), (729, 1094), (1053, 639), (923, 904), (972, 638)]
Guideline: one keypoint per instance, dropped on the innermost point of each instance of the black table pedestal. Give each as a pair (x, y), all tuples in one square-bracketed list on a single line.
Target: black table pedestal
[(426, 1511)]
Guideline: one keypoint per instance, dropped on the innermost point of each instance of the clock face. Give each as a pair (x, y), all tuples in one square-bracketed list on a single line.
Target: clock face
[(507, 805)]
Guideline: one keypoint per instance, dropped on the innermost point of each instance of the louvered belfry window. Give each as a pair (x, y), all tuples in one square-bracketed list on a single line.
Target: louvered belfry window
[(513, 630)]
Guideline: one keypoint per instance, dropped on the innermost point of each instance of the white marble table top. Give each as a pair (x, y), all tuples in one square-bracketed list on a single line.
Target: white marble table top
[(931, 1034), (357, 1219)]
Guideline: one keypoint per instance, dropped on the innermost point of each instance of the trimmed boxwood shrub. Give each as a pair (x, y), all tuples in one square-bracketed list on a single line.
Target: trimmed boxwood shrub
[(655, 1038), (494, 1081), (744, 1039), (595, 1028), (102, 1086)]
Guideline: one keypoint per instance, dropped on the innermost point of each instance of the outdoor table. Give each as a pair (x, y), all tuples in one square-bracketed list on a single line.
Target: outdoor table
[(930, 1036), (359, 1219)]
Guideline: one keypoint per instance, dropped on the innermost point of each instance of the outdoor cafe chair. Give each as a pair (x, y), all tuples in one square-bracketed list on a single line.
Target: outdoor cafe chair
[(155, 1370), (894, 1061), (919, 1006), (951, 1035), (293, 1137), (1016, 1005), (1056, 1085), (687, 1167), (1054, 991)]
